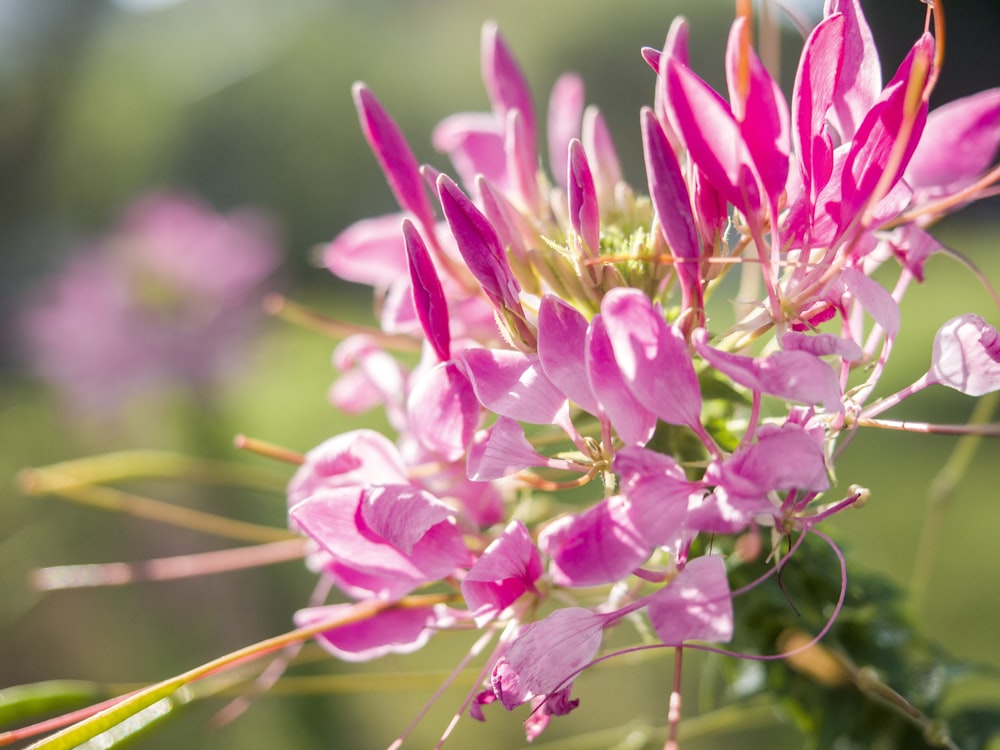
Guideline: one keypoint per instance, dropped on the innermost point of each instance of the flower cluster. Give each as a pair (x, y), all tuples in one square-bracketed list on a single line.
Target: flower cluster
[(171, 294), (600, 409)]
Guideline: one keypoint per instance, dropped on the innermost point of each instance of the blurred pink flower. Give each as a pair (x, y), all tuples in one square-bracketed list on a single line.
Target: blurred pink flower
[(169, 296)]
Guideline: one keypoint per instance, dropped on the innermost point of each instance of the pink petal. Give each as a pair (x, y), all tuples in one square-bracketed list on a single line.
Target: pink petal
[(547, 654), (653, 357), (506, 570), (392, 631), (657, 491), (512, 384), (601, 154), (565, 113), (369, 252), (822, 345), (761, 112), (812, 97), (632, 420), (874, 299), (793, 375), (443, 410), (357, 458), (959, 142), (597, 546), (696, 605), (967, 356), (503, 450), (505, 83), (784, 457), (475, 144), (562, 345)]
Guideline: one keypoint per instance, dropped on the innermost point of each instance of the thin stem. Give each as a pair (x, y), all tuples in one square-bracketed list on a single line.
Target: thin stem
[(674, 711)]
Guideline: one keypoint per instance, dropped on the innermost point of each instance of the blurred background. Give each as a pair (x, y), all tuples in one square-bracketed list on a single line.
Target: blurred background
[(246, 105)]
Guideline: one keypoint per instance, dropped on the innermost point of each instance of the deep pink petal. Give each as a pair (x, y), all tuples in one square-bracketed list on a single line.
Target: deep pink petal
[(584, 214), (712, 136), (506, 570), (428, 295), (860, 77), (696, 605), (479, 245), (672, 202), (394, 155)]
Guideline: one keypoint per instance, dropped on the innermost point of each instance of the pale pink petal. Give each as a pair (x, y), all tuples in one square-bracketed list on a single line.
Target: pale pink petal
[(503, 450), (632, 420), (657, 491), (597, 546), (545, 655), (505, 83), (562, 346), (513, 385), (392, 631), (443, 410), (874, 299), (861, 74), (601, 154), (506, 570), (967, 356), (696, 605), (653, 357), (565, 113), (822, 345), (370, 251), (474, 143)]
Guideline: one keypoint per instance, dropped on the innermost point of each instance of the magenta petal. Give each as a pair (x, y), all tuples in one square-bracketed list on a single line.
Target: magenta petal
[(967, 356), (584, 214), (428, 295), (562, 346), (547, 654), (675, 47), (512, 384), (696, 605), (632, 420), (712, 136), (812, 97), (394, 155), (653, 357), (597, 546), (672, 202), (860, 77), (508, 568), (565, 113), (392, 631), (479, 245), (443, 410)]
